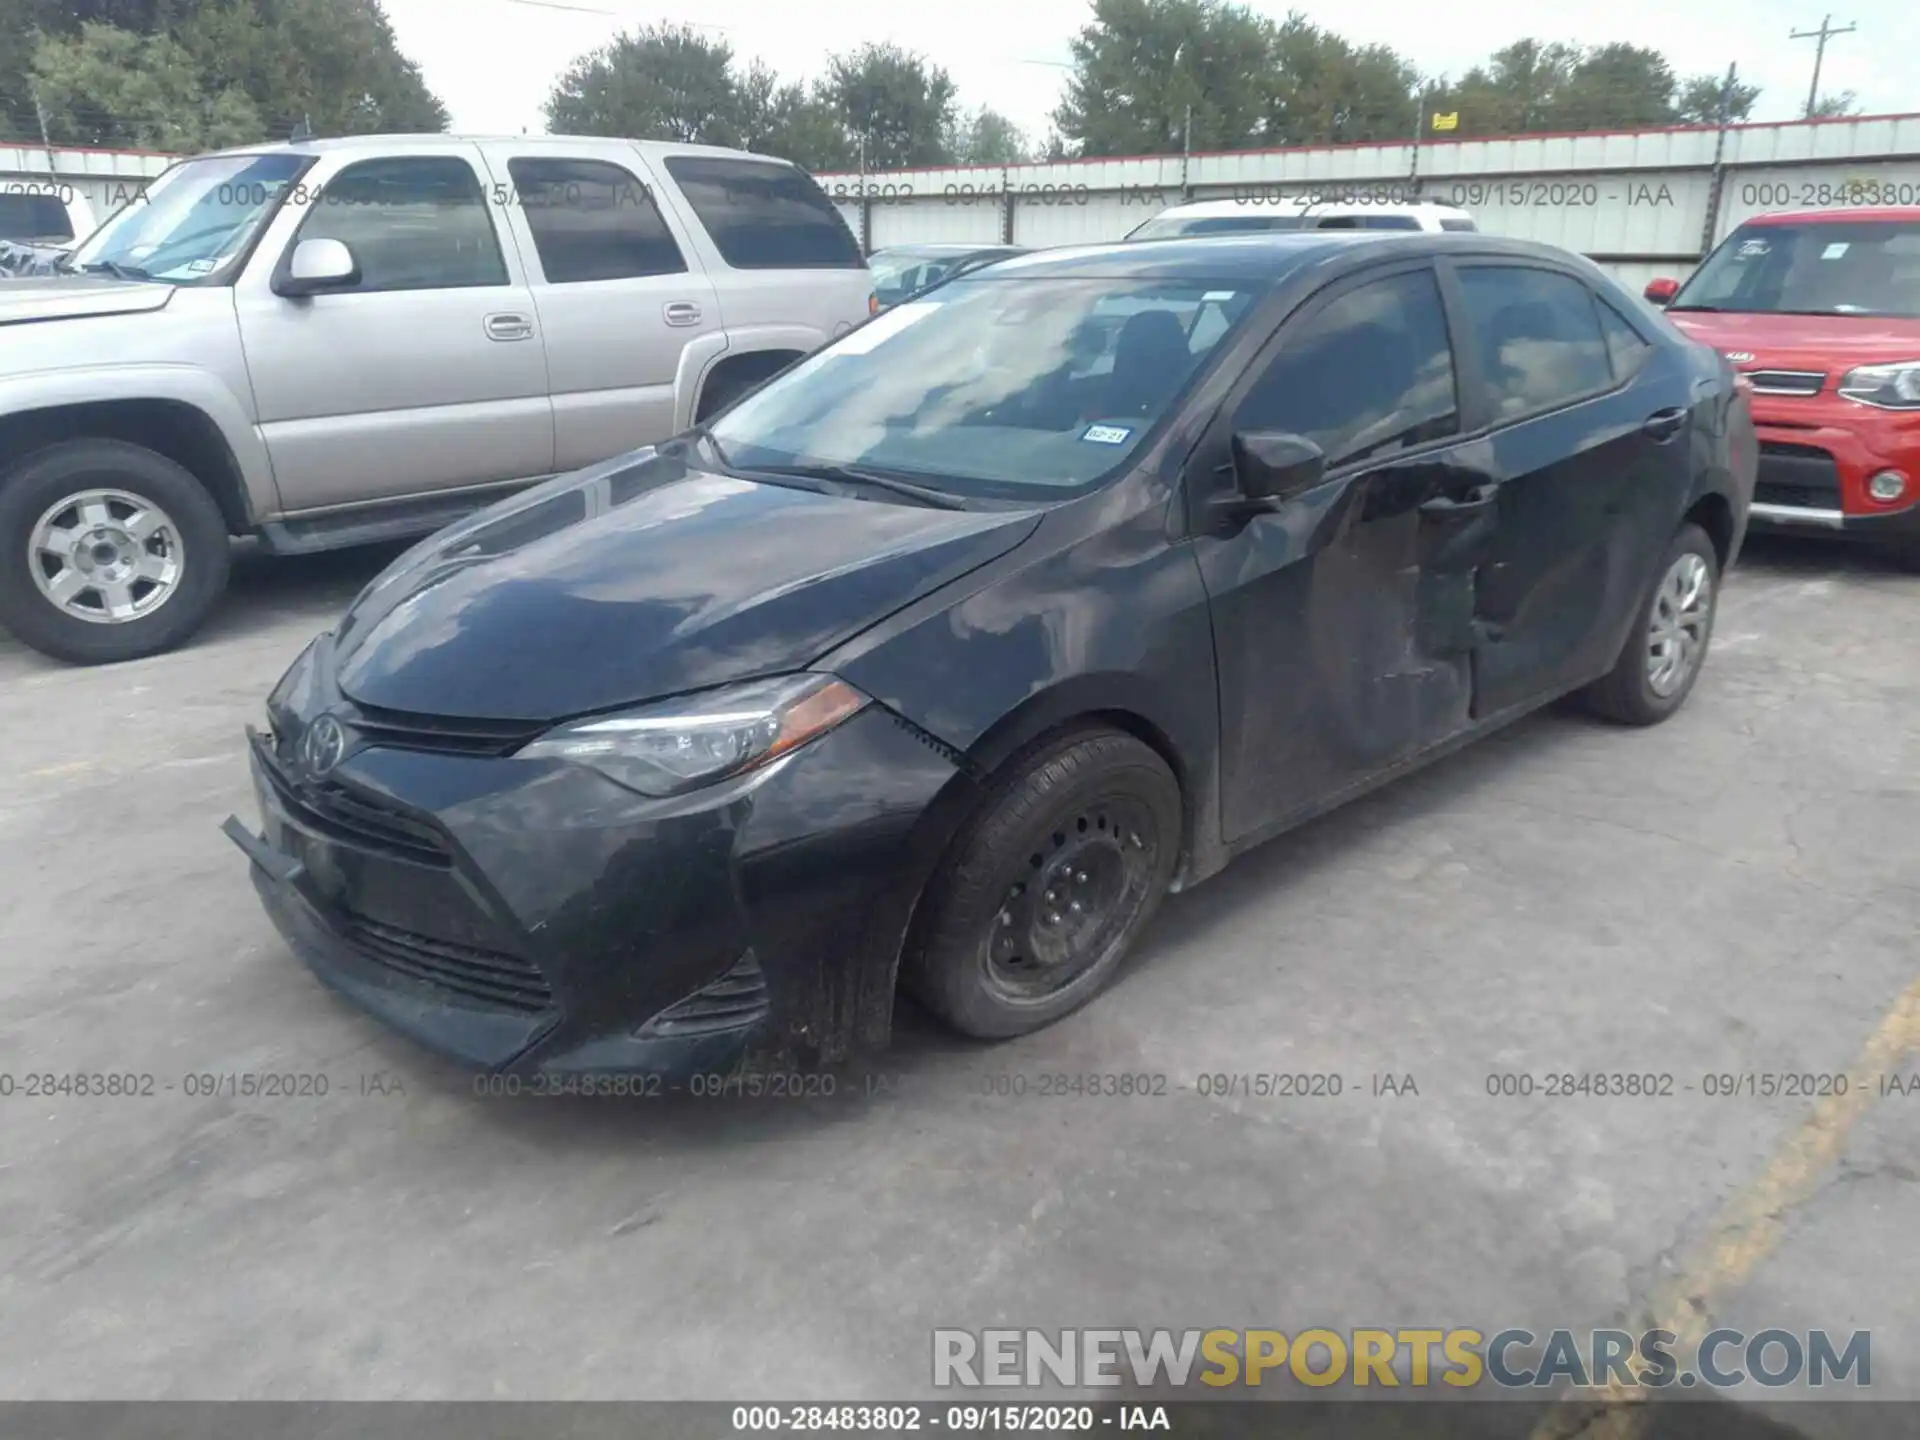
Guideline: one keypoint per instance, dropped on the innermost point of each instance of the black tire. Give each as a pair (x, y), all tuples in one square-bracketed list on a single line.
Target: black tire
[(31, 488), (1071, 806), (1627, 695)]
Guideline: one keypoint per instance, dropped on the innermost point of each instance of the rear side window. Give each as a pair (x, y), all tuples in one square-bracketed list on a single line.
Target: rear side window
[(592, 220), (1625, 344), (1368, 222), (415, 222), (763, 215), (34, 217), (1369, 374), (1538, 337), (1449, 223)]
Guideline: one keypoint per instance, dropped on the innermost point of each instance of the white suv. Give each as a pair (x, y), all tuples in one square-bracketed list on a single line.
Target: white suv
[(1238, 217), (343, 341)]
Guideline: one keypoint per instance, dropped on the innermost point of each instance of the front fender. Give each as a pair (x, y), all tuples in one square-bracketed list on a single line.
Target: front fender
[(181, 384)]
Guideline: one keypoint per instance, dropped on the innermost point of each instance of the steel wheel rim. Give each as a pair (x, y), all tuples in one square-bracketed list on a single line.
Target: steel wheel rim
[(106, 557), (1081, 889), (1677, 632)]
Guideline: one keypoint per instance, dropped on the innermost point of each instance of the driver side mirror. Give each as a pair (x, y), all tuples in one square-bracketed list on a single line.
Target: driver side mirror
[(317, 266), (1274, 465), (1662, 291)]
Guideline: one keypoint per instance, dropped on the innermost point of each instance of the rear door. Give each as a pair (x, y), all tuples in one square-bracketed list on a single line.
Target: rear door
[(1342, 623), (427, 375), (789, 273), (1590, 451), (630, 320)]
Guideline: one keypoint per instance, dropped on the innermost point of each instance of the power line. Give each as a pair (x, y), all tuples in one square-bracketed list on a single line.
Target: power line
[(1822, 35)]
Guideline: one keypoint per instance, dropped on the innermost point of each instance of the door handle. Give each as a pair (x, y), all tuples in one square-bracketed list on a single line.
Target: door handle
[(1663, 425), (1466, 502), (681, 312), (509, 327)]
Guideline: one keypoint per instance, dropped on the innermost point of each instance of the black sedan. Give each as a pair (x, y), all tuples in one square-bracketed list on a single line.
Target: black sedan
[(901, 272), (938, 661)]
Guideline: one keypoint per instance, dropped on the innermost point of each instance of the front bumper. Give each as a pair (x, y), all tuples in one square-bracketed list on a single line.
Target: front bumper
[(532, 917), (1816, 457)]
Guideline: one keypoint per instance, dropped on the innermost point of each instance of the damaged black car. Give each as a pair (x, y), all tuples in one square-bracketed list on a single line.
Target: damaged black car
[(936, 663)]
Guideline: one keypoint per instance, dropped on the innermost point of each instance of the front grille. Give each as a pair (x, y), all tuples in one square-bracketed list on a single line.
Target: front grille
[(439, 735), (485, 977), (1787, 382), (737, 998), (342, 814), (1801, 476)]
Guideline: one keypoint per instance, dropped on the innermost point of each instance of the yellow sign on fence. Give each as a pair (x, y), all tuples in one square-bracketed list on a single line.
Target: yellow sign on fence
[(1448, 121)]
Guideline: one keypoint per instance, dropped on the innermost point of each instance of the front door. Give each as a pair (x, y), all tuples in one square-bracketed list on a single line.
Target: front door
[(630, 323), (1343, 623), (429, 374)]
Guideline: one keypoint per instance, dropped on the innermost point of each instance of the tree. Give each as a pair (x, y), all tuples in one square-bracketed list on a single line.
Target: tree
[(1325, 90), (120, 90), (895, 107), (787, 120), (1142, 66), (986, 137), (1835, 107), (1701, 98), (660, 82)]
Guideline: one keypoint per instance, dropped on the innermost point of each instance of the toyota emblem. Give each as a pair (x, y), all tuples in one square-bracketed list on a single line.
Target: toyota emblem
[(324, 745)]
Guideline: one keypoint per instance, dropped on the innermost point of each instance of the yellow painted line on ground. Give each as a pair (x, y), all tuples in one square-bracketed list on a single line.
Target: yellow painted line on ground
[(1748, 1228), (54, 772)]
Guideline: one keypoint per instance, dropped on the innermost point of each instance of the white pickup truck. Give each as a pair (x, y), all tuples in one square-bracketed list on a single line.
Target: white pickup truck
[(335, 342)]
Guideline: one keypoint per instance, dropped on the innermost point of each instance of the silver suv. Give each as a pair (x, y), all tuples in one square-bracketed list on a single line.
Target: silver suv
[(344, 341)]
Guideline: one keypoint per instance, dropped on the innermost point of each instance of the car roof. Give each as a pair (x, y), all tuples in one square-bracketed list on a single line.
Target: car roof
[(949, 247), (1868, 214), (1302, 204), (1259, 257), (588, 144)]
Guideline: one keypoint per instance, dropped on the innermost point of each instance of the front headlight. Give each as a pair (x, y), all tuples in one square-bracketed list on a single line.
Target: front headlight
[(677, 745), (1891, 387)]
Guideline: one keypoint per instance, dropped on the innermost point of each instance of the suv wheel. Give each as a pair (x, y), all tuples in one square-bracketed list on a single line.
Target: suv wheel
[(1657, 669), (1047, 887), (108, 551)]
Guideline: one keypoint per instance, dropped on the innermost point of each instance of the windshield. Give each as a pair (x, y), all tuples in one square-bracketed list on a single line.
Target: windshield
[(1162, 227), (194, 221), (997, 387), (1811, 268)]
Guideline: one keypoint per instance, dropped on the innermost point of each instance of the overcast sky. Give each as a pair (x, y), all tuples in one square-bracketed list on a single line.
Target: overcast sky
[(493, 61)]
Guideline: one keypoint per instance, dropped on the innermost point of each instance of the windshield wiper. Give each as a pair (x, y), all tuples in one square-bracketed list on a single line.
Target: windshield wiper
[(115, 269), (1715, 309), (854, 475)]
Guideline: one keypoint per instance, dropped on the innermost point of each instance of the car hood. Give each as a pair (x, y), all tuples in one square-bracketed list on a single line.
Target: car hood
[(1828, 343), (72, 297), (640, 578)]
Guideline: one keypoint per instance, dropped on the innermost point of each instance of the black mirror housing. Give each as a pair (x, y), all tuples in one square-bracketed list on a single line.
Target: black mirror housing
[(1273, 465)]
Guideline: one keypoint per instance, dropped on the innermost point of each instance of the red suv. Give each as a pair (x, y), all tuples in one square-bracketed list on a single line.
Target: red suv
[(1820, 312)]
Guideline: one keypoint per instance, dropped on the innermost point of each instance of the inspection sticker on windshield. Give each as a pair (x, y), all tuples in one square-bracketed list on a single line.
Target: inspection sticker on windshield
[(1107, 434), (1834, 251), (1219, 297)]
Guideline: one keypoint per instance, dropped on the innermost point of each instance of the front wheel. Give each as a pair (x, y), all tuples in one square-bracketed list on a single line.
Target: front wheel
[(1662, 658), (108, 551), (1046, 888)]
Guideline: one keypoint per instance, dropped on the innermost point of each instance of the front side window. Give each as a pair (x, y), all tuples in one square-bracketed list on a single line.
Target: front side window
[(592, 220), (764, 215), (1628, 348), (194, 223), (1009, 387), (415, 222), (1811, 267), (1367, 375), (898, 275), (1538, 336)]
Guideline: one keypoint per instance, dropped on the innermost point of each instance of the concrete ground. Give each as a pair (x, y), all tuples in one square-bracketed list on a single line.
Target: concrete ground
[(1736, 891)]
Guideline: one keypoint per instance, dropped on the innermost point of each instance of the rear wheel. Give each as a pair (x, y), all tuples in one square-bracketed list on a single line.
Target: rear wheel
[(1045, 889), (1662, 659), (108, 551)]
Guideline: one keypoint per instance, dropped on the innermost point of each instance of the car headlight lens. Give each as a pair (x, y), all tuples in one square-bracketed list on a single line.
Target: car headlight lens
[(1891, 387), (677, 745)]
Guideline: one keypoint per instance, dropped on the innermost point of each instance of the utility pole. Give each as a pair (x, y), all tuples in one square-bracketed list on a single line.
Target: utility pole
[(1718, 184), (1825, 33), (40, 113)]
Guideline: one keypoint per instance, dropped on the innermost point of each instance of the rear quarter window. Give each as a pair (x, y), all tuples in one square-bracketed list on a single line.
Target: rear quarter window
[(764, 215), (34, 217), (1449, 223)]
